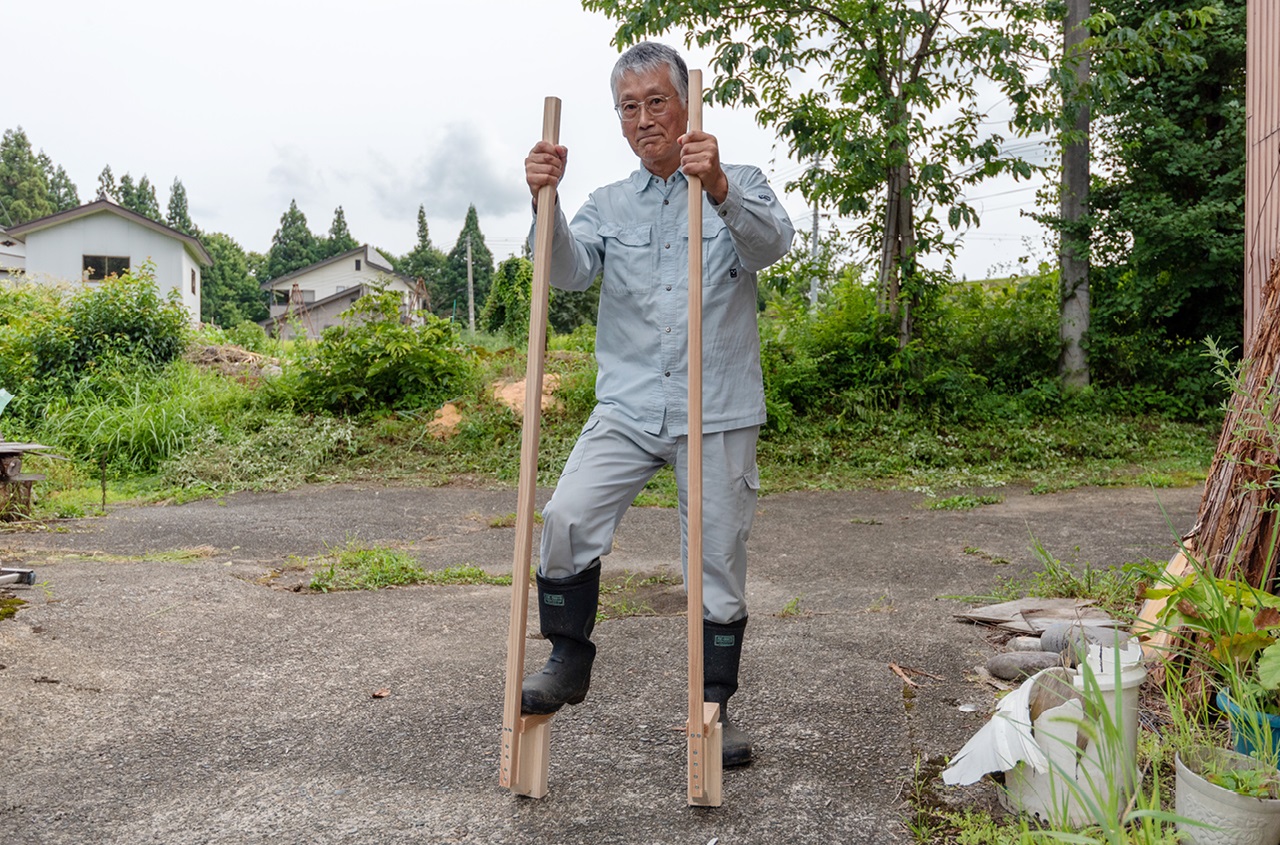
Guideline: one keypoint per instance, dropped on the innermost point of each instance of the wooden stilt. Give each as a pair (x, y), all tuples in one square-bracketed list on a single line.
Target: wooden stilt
[(703, 725), (526, 739)]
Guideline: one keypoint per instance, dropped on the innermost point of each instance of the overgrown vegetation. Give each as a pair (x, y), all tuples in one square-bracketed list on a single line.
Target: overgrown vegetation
[(99, 376)]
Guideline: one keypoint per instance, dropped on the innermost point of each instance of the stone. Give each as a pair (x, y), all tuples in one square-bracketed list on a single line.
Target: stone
[(1024, 644), (1017, 665), (1059, 636)]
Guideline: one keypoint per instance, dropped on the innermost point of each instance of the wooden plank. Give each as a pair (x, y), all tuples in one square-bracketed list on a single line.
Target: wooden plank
[(704, 767), (711, 749), (524, 754), (1155, 639), (534, 756)]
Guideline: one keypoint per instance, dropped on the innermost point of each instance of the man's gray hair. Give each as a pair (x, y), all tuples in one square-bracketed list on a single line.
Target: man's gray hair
[(650, 56)]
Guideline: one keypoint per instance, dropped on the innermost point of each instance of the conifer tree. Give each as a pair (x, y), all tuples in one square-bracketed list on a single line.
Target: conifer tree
[(24, 189), (454, 281), (145, 201), (339, 239), (424, 261), (179, 217), (293, 246), (62, 191), (107, 188)]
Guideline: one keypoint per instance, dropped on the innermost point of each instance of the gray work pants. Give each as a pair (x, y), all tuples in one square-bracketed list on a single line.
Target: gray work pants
[(613, 460)]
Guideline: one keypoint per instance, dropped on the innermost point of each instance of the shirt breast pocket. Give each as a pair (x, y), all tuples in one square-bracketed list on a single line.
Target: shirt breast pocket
[(630, 264), (719, 258)]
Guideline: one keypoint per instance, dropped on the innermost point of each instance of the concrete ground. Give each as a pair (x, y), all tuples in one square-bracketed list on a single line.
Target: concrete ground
[(179, 700)]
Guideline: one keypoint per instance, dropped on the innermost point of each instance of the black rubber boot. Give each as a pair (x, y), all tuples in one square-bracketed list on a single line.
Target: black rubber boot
[(721, 654), (567, 610)]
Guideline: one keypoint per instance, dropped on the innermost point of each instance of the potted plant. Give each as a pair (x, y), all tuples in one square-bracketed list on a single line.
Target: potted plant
[(1226, 798), (1231, 630)]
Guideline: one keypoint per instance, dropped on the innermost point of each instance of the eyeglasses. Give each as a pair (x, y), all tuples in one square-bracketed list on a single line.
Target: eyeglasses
[(629, 110)]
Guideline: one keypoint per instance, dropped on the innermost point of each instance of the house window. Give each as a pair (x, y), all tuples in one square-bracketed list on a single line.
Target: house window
[(357, 264), (98, 267), (193, 281)]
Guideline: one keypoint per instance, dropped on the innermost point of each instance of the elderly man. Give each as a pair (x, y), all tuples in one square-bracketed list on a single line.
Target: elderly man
[(636, 232)]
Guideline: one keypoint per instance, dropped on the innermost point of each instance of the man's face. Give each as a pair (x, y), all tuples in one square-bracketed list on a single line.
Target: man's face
[(653, 139)]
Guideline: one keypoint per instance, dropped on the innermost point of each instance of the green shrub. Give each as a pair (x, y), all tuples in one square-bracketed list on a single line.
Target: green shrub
[(374, 361), (506, 310), (49, 342), (251, 336)]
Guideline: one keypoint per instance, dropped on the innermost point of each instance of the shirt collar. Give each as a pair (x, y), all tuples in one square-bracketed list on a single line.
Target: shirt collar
[(642, 178)]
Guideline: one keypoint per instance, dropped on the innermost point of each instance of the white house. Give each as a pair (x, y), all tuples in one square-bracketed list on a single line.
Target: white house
[(96, 240), (13, 256), (311, 299)]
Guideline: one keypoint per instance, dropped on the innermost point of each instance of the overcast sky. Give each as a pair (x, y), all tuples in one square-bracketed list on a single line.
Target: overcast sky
[(378, 107)]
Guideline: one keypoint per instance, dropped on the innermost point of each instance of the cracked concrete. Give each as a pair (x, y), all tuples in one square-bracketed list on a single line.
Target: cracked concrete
[(176, 700)]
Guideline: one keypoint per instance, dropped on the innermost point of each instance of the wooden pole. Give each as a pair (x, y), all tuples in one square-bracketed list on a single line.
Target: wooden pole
[(526, 739), (703, 726)]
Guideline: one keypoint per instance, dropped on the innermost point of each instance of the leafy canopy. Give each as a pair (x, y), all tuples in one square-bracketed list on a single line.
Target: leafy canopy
[(869, 88)]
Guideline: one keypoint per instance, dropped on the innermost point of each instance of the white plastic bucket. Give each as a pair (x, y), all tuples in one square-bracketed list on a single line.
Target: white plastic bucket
[(1081, 787)]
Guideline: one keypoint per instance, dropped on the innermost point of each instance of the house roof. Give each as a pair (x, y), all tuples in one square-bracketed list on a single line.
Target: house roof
[(102, 206), (371, 257), (354, 292)]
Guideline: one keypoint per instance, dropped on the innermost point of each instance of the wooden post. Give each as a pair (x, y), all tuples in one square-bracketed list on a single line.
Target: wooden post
[(703, 726), (526, 739)]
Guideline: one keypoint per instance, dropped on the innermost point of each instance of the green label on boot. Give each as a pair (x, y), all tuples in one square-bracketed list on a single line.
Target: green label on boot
[(724, 640), (552, 598)]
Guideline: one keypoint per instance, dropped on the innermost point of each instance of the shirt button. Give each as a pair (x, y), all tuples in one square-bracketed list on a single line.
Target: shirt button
[(666, 202), (668, 330), (668, 287), (666, 246), (667, 374)]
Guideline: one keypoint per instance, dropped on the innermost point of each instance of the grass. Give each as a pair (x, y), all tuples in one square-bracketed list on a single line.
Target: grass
[(791, 610), (1113, 589), (621, 597), (964, 502), (358, 566)]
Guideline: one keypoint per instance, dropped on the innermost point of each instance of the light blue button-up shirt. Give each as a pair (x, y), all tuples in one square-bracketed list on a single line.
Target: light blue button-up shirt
[(637, 232)]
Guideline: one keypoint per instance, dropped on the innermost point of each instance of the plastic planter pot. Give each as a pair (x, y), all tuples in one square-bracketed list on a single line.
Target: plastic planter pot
[(1250, 728), (1229, 817)]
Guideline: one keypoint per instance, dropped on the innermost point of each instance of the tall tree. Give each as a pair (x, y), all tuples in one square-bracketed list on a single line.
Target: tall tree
[(62, 191), (339, 239), (107, 187), (454, 281), (228, 294), (425, 262), (179, 217), (857, 85), (24, 189), (127, 194), (145, 201), (293, 246)]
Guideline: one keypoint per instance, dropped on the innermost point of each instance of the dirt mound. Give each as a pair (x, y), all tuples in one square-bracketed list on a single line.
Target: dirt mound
[(509, 393), (234, 361)]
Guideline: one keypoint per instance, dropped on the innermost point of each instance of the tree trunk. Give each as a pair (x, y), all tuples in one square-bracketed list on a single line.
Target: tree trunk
[(889, 289), (907, 256), (1235, 530), (1073, 261)]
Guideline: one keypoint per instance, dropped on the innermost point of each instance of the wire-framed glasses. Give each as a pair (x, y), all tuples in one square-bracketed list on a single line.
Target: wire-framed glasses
[(655, 105)]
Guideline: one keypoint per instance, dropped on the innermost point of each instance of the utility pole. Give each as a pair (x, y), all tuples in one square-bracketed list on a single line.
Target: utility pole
[(1073, 251), (471, 291)]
